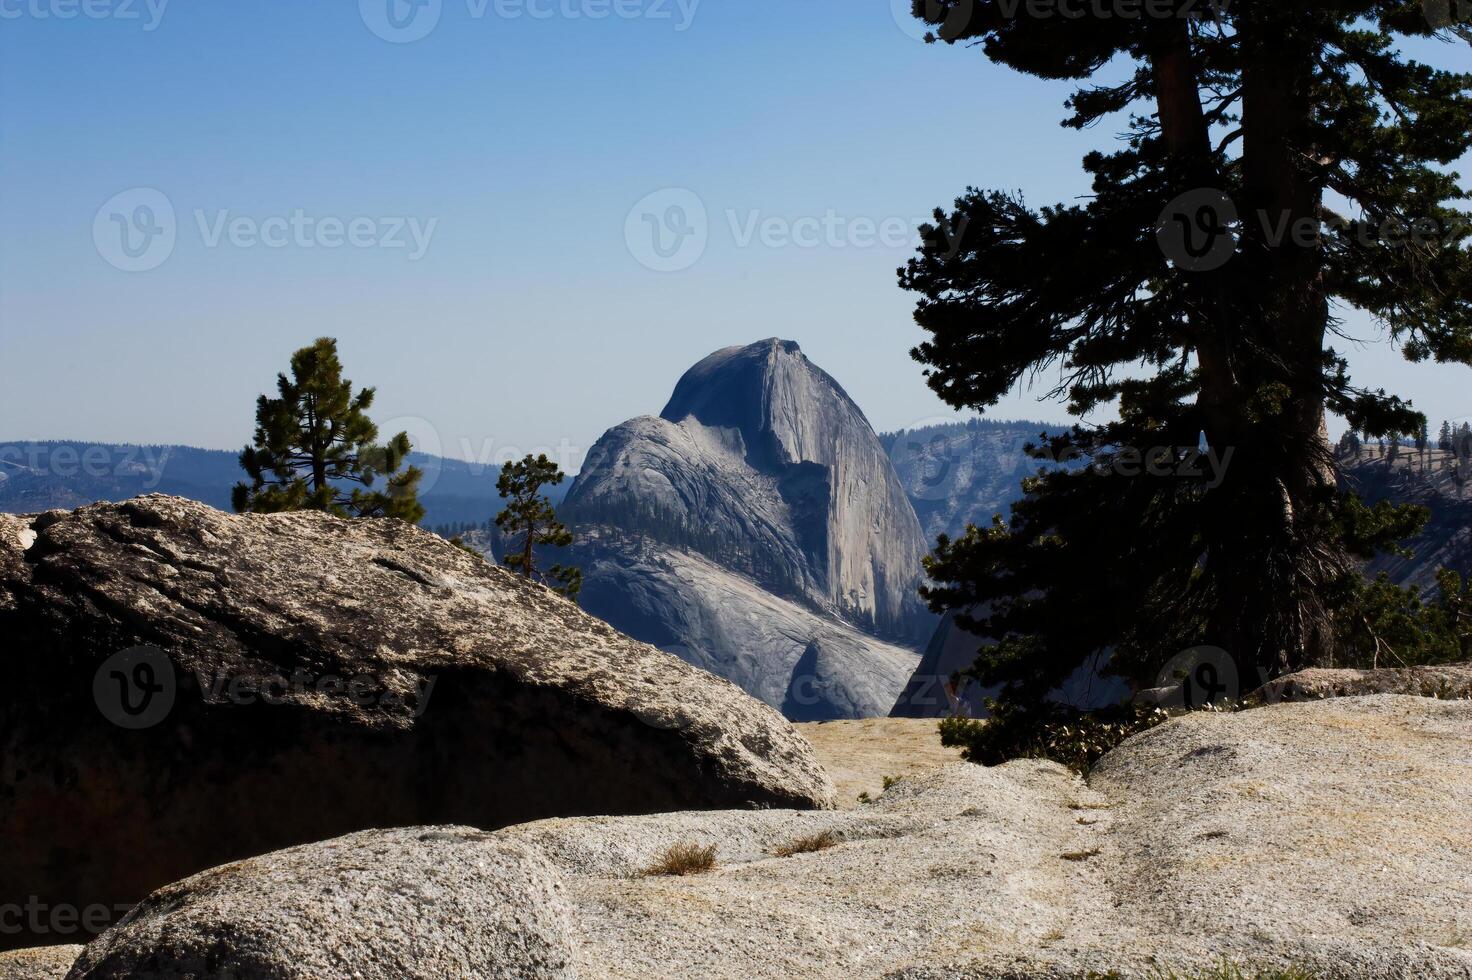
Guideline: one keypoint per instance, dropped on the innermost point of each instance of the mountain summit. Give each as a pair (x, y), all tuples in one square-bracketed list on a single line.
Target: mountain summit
[(757, 528)]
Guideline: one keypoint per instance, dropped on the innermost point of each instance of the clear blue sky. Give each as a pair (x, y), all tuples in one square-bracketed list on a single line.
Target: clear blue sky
[(517, 144)]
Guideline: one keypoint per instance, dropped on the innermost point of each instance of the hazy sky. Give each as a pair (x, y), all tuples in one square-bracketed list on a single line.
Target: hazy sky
[(469, 211)]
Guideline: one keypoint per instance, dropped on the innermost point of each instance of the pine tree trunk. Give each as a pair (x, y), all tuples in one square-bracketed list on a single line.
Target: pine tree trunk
[(1259, 353)]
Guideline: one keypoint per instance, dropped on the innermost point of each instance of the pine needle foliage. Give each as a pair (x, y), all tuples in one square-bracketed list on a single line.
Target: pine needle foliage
[(315, 448)]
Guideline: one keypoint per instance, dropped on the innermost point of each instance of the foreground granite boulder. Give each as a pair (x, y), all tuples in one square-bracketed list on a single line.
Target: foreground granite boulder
[(1327, 836), (186, 688), (418, 904), (44, 963), (1449, 681)]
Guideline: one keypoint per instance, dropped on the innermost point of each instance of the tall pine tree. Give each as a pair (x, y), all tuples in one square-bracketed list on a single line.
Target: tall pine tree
[(529, 516), (1277, 157), (316, 449)]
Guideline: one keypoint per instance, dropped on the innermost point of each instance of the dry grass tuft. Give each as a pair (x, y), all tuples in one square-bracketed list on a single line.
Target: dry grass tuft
[(683, 859), (807, 845)]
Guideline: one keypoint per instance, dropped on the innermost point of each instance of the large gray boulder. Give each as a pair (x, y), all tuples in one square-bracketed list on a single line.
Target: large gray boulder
[(1324, 835), (302, 677), (1433, 681), (761, 466), (423, 903), (1327, 836)]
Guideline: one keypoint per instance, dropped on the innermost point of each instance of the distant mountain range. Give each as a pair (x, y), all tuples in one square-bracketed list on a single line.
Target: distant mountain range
[(1433, 479), (963, 472), (39, 476), (758, 527)]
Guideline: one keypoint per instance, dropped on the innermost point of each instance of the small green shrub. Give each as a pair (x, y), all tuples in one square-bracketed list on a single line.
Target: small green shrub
[(1074, 738)]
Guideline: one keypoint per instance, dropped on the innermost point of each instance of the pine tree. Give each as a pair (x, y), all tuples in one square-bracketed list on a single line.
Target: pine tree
[(1249, 119), (1423, 439), (315, 439), (530, 515), (1444, 438)]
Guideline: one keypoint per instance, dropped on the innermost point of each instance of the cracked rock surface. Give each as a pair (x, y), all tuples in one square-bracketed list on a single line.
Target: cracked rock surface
[(1328, 836), (325, 676), (423, 903)]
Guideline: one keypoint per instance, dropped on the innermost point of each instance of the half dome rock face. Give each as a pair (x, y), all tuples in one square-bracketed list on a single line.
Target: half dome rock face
[(186, 687), (764, 467)]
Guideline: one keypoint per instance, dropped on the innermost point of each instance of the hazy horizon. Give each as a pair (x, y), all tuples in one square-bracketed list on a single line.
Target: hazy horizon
[(435, 205)]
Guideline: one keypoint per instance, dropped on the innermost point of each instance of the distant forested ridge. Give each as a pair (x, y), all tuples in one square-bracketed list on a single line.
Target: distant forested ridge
[(964, 472), (38, 476)]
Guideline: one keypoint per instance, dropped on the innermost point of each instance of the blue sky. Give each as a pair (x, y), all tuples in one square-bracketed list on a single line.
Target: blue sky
[(516, 141)]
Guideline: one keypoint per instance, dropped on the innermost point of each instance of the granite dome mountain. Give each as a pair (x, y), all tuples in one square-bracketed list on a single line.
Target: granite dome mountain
[(757, 528)]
